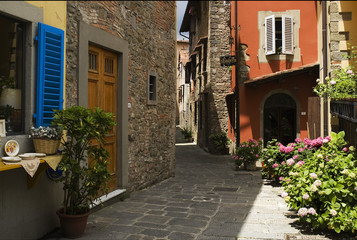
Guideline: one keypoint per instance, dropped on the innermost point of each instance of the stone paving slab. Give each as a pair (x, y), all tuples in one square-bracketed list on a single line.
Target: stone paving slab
[(206, 200)]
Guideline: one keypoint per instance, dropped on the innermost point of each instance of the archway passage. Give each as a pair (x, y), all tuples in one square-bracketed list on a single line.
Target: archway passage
[(280, 118)]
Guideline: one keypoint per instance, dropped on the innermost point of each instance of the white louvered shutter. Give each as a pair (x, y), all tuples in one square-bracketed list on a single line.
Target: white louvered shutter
[(270, 35), (288, 38)]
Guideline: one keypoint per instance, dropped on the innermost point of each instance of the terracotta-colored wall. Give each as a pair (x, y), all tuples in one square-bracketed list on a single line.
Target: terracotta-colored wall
[(249, 33), (251, 99), (300, 87)]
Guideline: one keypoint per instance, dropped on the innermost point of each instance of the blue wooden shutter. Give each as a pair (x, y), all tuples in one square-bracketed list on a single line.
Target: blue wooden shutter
[(50, 57)]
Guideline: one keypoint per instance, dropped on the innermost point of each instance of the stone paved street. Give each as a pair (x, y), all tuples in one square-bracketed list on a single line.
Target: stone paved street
[(206, 200)]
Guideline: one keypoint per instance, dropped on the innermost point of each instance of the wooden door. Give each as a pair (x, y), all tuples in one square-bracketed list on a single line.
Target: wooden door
[(102, 92), (280, 118)]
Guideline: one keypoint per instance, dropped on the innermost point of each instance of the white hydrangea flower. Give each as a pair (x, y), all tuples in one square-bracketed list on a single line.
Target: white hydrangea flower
[(284, 194), (311, 211), (302, 212), (333, 212), (317, 183), (313, 175), (305, 196)]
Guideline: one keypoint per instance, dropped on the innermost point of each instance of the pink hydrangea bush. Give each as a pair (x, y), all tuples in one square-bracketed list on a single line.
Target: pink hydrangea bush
[(280, 160), (323, 190)]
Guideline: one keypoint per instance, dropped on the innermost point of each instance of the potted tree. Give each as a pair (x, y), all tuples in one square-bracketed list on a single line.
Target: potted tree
[(84, 163)]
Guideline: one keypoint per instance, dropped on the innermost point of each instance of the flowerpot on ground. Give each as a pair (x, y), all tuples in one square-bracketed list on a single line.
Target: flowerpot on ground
[(250, 166), (218, 143), (73, 226), (84, 159)]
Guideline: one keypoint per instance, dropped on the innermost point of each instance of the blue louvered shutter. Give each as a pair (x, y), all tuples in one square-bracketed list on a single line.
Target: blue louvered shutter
[(50, 61)]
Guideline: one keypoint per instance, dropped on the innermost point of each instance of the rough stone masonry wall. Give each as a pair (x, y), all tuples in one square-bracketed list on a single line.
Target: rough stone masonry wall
[(337, 36), (149, 28), (219, 77)]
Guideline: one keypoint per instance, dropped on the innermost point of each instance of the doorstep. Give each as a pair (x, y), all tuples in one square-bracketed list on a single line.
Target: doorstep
[(110, 198)]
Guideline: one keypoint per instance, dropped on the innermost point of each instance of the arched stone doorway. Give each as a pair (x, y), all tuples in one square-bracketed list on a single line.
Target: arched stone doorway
[(280, 118)]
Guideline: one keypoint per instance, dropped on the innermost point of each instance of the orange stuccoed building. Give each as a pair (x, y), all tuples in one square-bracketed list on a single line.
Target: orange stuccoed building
[(276, 45)]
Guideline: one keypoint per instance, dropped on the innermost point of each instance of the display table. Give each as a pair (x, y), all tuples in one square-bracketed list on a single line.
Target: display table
[(45, 162)]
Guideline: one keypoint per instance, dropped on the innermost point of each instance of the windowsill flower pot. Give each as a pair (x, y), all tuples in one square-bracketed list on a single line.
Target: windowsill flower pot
[(46, 139)]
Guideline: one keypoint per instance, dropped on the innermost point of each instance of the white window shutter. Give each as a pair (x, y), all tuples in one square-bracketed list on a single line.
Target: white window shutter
[(270, 35), (288, 38)]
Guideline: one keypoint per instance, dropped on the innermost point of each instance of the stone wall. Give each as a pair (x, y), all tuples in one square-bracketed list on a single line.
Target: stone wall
[(337, 55), (149, 28), (219, 78)]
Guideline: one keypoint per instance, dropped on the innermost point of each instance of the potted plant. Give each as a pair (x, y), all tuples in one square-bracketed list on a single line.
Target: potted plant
[(84, 163), (187, 134), (248, 153), (46, 139), (5, 113), (6, 83), (218, 143)]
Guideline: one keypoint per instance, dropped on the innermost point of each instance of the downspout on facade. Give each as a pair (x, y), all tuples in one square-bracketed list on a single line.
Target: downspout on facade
[(324, 101), (236, 52)]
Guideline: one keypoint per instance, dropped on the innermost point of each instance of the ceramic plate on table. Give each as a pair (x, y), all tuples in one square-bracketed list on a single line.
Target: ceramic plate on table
[(38, 154), (11, 159), (27, 156), (12, 148)]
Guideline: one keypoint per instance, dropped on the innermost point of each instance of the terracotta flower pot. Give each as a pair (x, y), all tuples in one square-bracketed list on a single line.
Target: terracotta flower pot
[(250, 166), (73, 226)]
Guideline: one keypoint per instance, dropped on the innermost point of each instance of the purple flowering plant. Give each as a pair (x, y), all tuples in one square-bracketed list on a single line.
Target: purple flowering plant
[(248, 152)]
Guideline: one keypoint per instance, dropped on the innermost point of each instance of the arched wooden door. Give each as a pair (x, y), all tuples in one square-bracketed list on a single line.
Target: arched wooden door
[(280, 118), (102, 92)]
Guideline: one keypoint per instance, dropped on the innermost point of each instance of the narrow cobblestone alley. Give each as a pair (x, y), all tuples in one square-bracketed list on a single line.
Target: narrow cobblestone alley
[(206, 200)]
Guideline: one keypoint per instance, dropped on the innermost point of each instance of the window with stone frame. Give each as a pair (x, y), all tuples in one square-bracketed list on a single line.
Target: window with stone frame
[(12, 42), (279, 35)]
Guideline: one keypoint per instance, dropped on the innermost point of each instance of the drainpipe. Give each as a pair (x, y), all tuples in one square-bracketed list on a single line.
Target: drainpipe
[(236, 52), (324, 66), (183, 35)]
